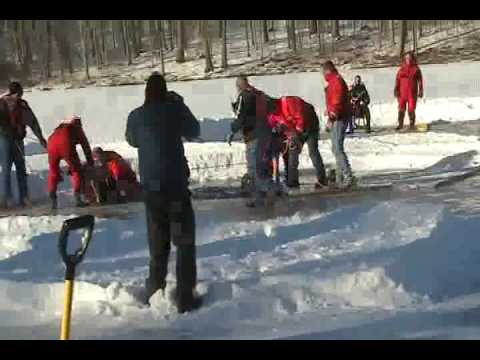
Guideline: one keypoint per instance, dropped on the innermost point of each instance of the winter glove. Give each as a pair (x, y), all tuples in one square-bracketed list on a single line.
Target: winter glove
[(229, 138), (43, 142), (420, 94), (396, 93)]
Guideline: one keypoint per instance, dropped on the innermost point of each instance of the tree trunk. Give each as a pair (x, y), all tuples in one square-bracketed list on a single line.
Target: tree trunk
[(220, 29), (336, 29), (126, 37), (224, 44), (403, 37), (246, 37), (27, 52), (420, 28), (319, 35), (313, 27), (84, 44), (160, 45), (293, 35), (252, 35), (48, 58), (392, 31), (170, 34), (180, 56), (414, 35), (265, 31), (207, 49)]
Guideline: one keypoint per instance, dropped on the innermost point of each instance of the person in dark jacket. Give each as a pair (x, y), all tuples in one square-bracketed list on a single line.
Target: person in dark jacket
[(251, 108), (360, 100), (20, 115), (338, 113), (156, 128)]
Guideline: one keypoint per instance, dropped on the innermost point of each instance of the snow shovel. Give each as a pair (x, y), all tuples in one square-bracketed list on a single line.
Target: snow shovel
[(71, 261)]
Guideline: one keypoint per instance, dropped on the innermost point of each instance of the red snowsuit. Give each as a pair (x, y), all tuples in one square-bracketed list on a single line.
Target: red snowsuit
[(337, 96), (408, 86), (62, 146), (118, 168)]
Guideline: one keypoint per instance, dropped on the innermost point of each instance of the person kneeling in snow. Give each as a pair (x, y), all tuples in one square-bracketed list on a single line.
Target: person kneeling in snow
[(62, 146), (112, 180)]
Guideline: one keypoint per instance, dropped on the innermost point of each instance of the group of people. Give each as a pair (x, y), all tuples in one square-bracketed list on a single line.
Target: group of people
[(105, 176), (272, 128)]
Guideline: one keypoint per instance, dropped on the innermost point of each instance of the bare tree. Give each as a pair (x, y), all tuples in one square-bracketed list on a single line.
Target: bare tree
[(180, 55), (206, 44), (224, 44), (392, 31), (265, 31), (336, 29), (292, 35), (403, 36), (48, 59), (313, 27), (246, 37), (84, 28)]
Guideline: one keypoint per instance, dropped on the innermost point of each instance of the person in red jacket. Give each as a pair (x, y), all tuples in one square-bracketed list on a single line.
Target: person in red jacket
[(62, 146), (297, 121), (408, 86), (338, 113), (113, 178)]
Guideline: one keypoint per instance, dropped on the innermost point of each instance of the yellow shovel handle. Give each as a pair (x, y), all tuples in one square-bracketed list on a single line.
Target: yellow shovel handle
[(67, 310)]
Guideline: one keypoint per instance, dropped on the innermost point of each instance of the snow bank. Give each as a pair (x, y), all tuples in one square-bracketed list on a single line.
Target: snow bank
[(255, 276)]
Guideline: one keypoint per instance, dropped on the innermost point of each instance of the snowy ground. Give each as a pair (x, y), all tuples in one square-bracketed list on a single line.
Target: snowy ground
[(389, 265)]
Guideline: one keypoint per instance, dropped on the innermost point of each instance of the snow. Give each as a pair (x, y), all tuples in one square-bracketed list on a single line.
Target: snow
[(400, 265)]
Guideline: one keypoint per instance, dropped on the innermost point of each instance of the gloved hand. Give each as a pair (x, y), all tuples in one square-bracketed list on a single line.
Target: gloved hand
[(420, 94), (295, 142), (229, 138), (43, 142), (396, 93)]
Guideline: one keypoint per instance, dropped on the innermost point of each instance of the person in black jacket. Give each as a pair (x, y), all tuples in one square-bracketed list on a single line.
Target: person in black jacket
[(251, 108), (156, 128), (360, 101)]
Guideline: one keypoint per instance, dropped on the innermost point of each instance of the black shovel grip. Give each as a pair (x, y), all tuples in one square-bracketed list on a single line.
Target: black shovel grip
[(86, 222)]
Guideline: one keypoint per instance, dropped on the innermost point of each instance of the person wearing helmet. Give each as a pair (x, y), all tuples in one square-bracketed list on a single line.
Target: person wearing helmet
[(62, 146)]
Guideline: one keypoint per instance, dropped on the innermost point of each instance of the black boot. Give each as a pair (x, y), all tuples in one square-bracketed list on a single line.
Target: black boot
[(186, 302), (401, 116), (54, 201), (79, 202), (411, 116)]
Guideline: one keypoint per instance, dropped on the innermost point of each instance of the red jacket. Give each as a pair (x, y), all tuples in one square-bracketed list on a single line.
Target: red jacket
[(409, 81), (119, 168), (66, 137), (337, 97)]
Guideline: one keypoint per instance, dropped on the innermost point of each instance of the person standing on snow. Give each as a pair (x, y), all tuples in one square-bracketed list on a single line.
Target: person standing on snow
[(156, 128), (12, 148), (62, 146), (408, 87), (338, 112), (251, 110), (298, 122), (360, 100)]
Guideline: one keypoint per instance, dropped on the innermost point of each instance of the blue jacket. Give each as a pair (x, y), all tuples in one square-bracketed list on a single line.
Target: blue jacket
[(156, 129)]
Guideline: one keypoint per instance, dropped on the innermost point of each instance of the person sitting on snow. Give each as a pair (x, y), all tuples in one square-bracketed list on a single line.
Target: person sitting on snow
[(112, 179), (62, 146), (360, 100)]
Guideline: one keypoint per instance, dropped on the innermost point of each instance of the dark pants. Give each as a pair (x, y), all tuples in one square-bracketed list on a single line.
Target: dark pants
[(291, 160), (12, 152), (171, 219)]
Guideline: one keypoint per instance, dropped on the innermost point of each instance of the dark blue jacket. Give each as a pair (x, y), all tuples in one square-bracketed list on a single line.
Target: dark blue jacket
[(156, 129)]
